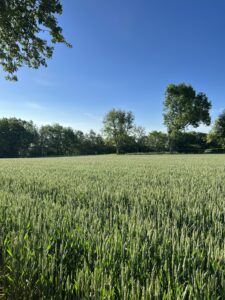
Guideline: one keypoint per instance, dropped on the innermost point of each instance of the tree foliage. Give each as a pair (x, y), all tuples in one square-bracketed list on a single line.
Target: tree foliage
[(19, 138), (16, 136), (117, 127), (183, 107), (28, 32), (217, 133), (191, 142), (140, 138), (158, 141)]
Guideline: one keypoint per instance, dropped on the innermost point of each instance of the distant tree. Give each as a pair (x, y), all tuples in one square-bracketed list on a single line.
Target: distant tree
[(191, 142), (69, 141), (80, 147), (94, 143), (100, 144), (139, 135), (16, 137), (30, 138), (157, 141), (118, 125), (217, 133), (24, 25), (182, 108), (51, 139)]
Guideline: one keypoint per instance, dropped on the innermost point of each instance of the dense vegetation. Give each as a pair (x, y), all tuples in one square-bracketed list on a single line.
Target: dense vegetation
[(113, 227), (184, 107), (19, 138)]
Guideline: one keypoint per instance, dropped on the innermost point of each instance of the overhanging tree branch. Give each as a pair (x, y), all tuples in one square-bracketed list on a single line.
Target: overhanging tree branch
[(22, 23)]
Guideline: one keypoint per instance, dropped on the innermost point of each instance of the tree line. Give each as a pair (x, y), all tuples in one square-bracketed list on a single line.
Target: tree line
[(183, 107), (20, 138)]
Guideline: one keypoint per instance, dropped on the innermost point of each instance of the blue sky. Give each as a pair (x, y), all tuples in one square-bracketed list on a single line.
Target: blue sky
[(125, 53)]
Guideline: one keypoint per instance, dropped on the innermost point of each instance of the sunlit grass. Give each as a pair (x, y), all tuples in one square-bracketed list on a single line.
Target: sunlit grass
[(113, 227)]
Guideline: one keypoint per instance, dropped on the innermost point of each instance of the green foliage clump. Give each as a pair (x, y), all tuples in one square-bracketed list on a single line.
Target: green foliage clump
[(217, 134), (28, 32), (183, 107)]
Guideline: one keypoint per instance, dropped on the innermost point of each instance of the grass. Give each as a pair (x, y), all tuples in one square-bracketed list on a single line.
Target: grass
[(113, 227)]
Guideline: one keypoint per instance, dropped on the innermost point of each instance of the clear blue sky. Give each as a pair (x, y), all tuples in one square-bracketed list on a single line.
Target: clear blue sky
[(125, 53)]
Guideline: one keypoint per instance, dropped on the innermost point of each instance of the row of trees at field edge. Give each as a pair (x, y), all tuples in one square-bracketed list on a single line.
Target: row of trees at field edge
[(183, 107)]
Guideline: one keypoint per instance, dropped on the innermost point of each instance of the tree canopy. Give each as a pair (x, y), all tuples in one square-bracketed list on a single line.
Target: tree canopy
[(28, 31), (16, 136), (117, 127), (218, 131), (19, 138), (158, 141), (183, 107)]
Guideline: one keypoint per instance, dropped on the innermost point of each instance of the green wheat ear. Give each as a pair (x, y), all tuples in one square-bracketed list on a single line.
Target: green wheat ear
[(113, 227)]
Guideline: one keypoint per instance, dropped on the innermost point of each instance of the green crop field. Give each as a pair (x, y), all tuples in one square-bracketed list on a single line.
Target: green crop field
[(113, 227)]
